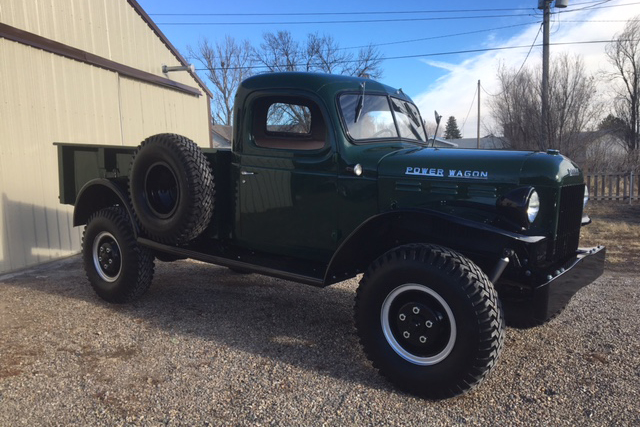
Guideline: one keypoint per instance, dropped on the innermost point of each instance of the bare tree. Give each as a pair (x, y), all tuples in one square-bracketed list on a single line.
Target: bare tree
[(324, 54), (227, 63), (279, 52), (624, 54), (319, 53), (516, 109), (367, 64), (573, 107)]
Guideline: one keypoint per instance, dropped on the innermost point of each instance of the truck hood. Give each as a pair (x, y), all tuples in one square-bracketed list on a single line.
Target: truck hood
[(455, 165)]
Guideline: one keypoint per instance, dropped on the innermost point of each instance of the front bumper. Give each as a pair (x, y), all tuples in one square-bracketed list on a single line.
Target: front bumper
[(551, 297)]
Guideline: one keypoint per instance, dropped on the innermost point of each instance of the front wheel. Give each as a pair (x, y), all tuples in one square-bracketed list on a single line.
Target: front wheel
[(429, 319), (118, 269)]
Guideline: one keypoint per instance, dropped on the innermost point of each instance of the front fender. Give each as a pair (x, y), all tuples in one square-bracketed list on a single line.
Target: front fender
[(98, 194), (482, 243)]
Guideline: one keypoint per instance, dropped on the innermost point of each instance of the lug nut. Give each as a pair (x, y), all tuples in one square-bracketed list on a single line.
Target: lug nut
[(110, 261), (105, 266), (416, 310), (423, 339), (402, 317), (406, 334), (101, 248), (428, 324)]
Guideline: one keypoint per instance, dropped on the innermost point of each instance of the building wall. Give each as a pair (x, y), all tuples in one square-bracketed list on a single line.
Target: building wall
[(47, 98)]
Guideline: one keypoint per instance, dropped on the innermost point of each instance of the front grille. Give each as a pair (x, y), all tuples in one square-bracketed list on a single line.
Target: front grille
[(569, 221)]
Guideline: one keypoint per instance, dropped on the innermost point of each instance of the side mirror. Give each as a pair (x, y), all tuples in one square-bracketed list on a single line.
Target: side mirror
[(438, 117)]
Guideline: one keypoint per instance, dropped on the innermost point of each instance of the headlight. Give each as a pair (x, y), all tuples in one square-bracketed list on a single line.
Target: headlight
[(586, 197), (534, 206), (520, 205)]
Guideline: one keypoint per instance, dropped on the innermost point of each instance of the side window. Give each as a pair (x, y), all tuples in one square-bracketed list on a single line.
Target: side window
[(288, 123), (408, 120)]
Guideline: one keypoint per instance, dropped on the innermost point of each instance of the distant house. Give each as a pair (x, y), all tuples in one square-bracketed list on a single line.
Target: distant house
[(221, 135), (602, 151)]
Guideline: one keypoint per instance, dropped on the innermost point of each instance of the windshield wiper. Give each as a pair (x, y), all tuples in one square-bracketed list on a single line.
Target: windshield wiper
[(360, 105)]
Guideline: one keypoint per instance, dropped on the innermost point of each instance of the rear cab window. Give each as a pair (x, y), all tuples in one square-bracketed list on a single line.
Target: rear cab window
[(288, 123)]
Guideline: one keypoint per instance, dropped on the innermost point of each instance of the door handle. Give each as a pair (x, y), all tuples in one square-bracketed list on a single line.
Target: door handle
[(247, 173)]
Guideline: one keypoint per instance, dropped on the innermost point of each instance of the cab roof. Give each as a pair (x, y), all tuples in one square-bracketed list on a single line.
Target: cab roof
[(323, 84)]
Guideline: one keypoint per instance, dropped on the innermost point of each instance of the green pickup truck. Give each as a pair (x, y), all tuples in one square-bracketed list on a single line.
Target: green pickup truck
[(330, 177)]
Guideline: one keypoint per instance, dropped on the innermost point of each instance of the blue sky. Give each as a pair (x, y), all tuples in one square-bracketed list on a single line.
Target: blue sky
[(443, 82)]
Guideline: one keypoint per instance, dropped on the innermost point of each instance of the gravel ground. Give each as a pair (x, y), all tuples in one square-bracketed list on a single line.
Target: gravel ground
[(206, 346)]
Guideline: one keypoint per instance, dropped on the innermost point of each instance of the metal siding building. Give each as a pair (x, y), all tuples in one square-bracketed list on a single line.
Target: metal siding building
[(85, 71)]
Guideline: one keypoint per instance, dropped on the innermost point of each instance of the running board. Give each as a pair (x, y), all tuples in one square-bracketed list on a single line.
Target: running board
[(231, 263)]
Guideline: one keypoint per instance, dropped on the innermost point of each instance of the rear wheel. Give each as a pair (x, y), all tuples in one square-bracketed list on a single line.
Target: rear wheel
[(118, 269), (429, 319)]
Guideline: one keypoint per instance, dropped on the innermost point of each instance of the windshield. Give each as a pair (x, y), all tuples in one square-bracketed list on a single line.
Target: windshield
[(371, 117)]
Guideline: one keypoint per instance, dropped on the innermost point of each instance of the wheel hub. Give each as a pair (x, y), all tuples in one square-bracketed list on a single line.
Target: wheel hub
[(161, 190), (418, 324), (107, 258)]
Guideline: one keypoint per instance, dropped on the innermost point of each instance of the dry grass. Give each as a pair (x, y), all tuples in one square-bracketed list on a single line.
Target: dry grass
[(617, 226)]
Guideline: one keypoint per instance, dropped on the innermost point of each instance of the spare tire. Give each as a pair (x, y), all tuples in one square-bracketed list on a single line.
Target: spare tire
[(171, 188)]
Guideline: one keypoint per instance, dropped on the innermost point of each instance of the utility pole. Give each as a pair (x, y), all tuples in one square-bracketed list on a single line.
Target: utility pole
[(545, 74), (544, 123), (478, 114)]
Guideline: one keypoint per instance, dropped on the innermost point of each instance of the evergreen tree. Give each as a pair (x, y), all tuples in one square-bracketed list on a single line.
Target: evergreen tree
[(452, 131)]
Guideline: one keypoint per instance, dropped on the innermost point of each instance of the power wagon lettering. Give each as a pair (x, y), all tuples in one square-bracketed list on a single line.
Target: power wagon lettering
[(454, 173)]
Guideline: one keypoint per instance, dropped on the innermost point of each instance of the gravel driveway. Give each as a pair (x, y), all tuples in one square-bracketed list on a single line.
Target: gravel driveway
[(206, 346)]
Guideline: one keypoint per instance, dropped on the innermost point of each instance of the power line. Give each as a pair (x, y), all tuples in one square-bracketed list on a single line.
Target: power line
[(440, 37), (388, 12), (425, 55), (470, 106), (520, 69), (588, 7), (434, 37), (471, 32), (595, 7), (361, 21), (602, 20)]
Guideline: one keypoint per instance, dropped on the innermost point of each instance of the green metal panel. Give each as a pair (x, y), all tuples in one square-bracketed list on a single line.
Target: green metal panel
[(285, 199)]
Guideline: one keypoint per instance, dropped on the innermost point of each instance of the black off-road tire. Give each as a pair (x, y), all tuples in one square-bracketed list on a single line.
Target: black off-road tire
[(171, 188), (118, 269), (444, 327)]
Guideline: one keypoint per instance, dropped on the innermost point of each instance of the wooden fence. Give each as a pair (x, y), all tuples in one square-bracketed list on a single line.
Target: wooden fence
[(613, 186)]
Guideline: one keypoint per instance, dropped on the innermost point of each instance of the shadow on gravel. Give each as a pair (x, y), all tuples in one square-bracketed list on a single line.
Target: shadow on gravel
[(307, 327)]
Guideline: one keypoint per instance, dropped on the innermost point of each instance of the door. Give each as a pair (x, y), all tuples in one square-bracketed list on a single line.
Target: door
[(286, 201)]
